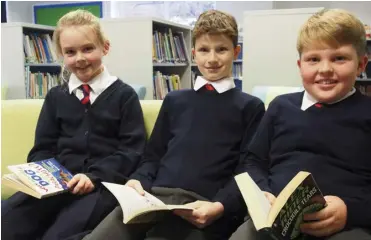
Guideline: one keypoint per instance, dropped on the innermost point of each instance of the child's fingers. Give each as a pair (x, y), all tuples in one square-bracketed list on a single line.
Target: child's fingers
[(88, 186), (73, 181), (195, 204), (84, 189), (79, 186), (271, 198), (138, 187)]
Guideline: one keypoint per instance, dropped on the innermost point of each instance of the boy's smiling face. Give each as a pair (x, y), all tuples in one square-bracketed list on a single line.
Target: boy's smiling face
[(214, 55), (329, 73)]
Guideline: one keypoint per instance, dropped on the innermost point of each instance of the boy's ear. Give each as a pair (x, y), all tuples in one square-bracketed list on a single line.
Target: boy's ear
[(363, 61), (237, 50), (299, 63), (106, 47), (193, 52)]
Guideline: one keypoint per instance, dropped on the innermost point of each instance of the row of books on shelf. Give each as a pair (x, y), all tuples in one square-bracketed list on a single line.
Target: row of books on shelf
[(163, 84), (38, 48), (169, 48), (237, 70), (240, 55), (38, 84)]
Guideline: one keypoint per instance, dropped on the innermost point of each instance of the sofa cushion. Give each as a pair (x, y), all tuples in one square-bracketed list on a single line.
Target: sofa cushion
[(150, 109), (18, 123)]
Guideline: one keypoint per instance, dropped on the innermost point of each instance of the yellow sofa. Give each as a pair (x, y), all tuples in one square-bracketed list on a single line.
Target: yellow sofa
[(18, 123)]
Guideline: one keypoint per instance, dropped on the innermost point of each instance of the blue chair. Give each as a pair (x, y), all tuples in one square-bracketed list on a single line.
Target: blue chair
[(140, 90)]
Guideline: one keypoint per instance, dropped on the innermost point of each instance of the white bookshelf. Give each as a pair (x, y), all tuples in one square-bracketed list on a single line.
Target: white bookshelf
[(130, 56), (13, 60)]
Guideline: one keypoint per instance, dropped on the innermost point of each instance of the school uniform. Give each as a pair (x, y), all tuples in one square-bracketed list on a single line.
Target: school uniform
[(332, 141), (194, 148), (103, 139)]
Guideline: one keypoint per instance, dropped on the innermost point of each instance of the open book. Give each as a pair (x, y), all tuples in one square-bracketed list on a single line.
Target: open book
[(282, 220), (137, 208), (39, 179)]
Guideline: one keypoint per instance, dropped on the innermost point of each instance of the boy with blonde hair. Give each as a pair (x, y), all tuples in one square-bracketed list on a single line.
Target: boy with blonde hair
[(195, 146), (325, 130)]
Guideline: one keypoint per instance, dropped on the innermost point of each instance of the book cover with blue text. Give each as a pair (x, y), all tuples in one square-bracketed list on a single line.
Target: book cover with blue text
[(39, 179)]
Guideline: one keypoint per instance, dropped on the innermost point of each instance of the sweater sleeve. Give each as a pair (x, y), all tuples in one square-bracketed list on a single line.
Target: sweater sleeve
[(255, 159), (156, 147), (230, 195), (359, 212), (47, 131), (132, 139)]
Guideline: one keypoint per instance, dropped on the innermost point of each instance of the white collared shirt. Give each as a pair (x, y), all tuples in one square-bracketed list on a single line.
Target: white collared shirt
[(220, 86), (97, 85), (309, 100)]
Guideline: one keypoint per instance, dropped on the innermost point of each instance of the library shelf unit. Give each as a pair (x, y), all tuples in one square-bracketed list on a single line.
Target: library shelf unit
[(131, 53), (13, 63)]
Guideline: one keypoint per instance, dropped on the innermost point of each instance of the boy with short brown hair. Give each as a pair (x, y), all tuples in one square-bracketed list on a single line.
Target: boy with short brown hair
[(195, 146)]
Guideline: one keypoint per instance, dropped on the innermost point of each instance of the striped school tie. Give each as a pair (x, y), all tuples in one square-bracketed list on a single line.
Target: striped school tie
[(86, 91)]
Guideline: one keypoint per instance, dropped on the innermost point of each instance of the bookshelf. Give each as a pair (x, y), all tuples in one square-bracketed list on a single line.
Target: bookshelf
[(13, 63), (131, 54)]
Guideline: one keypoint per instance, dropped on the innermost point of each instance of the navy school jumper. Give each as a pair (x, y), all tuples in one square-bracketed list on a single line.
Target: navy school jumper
[(196, 145)]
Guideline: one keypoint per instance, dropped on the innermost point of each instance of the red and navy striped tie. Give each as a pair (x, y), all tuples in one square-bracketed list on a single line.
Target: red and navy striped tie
[(86, 91), (209, 87)]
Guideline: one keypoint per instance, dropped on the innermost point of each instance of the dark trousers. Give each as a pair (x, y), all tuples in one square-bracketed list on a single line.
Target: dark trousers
[(168, 228), (64, 216), (353, 234)]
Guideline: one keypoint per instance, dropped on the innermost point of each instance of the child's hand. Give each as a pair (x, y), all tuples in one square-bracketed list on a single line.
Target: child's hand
[(80, 184), (136, 185), (327, 221), (271, 198), (204, 213)]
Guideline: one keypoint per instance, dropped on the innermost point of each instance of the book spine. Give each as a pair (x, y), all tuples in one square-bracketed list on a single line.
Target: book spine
[(51, 48), (46, 48), (36, 49), (184, 46), (171, 38)]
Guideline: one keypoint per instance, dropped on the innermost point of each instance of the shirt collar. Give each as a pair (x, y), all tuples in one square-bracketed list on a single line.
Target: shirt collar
[(309, 100), (220, 86), (97, 84)]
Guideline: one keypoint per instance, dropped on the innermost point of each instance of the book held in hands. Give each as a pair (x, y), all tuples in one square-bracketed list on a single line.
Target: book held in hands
[(282, 220), (39, 179), (137, 208)]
